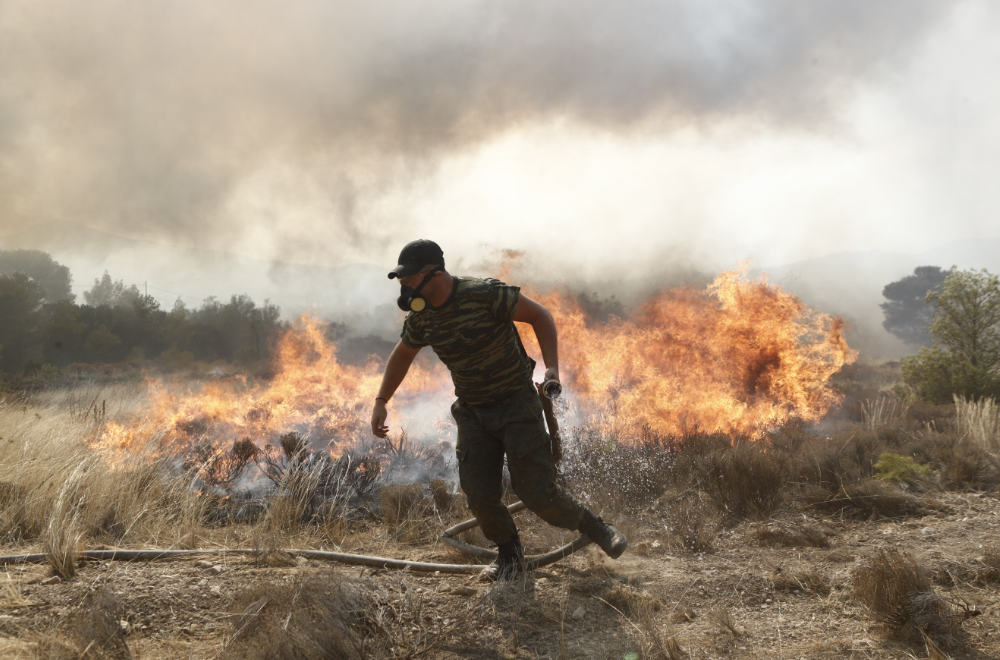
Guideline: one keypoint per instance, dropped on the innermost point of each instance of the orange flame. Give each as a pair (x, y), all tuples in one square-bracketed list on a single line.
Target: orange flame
[(741, 357)]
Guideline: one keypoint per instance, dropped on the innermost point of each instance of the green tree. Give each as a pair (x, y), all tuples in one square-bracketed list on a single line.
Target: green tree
[(111, 293), (53, 277), (62, 332), (101, 342), (965, 358), (908, 314), (20, 306)]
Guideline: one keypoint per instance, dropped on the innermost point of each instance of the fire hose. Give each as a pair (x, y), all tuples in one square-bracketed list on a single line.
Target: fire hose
[(448, 537)]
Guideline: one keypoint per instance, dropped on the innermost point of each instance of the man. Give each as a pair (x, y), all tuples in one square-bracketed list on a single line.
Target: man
[(470, 325)]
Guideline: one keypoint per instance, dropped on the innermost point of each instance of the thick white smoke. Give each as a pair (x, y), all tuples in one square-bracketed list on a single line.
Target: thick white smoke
[(177, 121)]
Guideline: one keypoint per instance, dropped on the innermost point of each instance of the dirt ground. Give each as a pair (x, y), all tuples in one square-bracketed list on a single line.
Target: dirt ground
[(743, 599)]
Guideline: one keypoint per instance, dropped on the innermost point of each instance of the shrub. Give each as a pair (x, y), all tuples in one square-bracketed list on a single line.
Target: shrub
[(407, 510), (867, 499), (898, 593), (893, 467), (312, 619), (744, 480)]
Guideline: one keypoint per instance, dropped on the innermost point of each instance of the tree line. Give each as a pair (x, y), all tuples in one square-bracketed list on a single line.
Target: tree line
[(953, 319), (43, 327)]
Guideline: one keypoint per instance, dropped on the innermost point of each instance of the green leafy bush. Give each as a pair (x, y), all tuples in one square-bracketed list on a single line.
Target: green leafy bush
[(894, 467)]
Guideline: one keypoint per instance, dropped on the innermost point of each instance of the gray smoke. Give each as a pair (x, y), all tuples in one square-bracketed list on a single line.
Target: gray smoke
[(146, 118)]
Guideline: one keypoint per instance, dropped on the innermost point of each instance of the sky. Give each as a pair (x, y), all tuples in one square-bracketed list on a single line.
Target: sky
[(604, 139)]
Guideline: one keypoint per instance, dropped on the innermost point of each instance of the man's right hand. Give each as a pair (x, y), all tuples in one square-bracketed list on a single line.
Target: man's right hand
[(379, 415)]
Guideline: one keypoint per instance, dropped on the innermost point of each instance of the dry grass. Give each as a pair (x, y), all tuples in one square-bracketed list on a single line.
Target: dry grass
[(791, 535), (809, 580), (883, 411), (407, 510), (63, 489), (744, 481), (322, 617), (11, 597), (631, 602), (640, 609), (979, 421), (690, 527), (724, 619), (900, 597)]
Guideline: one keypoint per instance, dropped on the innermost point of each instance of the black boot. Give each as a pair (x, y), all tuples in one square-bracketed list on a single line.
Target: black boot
[(510, 560), (610, 540)]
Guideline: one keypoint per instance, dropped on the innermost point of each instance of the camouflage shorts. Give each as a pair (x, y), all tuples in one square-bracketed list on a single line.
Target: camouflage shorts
[(514, 427)]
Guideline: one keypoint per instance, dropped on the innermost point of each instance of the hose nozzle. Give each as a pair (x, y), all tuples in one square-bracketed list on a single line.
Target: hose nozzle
[(552, 388)]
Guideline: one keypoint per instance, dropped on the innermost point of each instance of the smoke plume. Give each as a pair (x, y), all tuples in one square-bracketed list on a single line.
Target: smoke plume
[(173, 121)]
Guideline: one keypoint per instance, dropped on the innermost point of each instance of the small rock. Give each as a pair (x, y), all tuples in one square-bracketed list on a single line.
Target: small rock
[(202, 564), (579, 613), (463, 591), (301, 561), (217, 589), (55, 579), (642, 549), (926, 530), (215, 569), (124, 624)]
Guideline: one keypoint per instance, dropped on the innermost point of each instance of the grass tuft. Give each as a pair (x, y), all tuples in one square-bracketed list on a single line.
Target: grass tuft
[(408, 511), (319, 617), (744, 481), (900, 597)]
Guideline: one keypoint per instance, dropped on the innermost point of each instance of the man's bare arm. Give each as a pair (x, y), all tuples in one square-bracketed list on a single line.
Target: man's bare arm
[(530, 312), (395, 371)]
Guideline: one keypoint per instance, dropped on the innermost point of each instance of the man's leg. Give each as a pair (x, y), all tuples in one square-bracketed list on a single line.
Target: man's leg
[(533, 476), (480, 473), (533, 471)]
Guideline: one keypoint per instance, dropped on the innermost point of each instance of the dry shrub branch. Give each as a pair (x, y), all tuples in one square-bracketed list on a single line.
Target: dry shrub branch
[(900, 597)]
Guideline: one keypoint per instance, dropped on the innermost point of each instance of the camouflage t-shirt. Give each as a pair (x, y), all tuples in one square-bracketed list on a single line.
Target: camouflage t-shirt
[(474, 335)]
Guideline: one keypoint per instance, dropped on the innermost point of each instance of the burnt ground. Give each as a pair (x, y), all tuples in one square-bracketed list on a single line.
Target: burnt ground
[(750, 596)]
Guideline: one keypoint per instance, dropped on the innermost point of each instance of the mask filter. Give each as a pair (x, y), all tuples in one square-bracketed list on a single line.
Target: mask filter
[(409, 299)]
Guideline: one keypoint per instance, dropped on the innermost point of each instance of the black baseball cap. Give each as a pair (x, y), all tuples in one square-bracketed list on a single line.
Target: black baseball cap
[(416, 255)]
